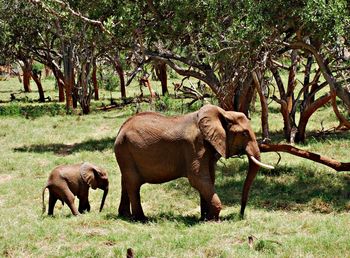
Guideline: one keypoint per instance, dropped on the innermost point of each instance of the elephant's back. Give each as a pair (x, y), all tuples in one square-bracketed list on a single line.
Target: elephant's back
[(149, 128)]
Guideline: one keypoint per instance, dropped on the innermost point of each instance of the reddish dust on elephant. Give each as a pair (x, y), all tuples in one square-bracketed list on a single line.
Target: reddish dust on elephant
[(152, 148), (67, 181)]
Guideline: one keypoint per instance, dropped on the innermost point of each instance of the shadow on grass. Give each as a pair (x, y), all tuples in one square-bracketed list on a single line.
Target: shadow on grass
[(319, 136), (67, 149), (296, 188), (163, 216), (286, 188)]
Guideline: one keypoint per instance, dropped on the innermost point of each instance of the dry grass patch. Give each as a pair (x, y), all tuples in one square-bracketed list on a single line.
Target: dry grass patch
[(5, 178)]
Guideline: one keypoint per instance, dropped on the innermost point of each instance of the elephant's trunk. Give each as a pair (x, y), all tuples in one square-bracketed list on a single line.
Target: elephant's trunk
[(104, 198), (253, 170), (253, 152)]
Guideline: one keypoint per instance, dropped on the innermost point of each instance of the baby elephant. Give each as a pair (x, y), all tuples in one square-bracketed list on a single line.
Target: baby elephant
[(67, 181)]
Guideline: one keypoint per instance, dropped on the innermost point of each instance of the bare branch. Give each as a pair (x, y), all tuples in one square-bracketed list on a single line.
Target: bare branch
[(280, 65), (326, 72), (337, 165), (205, 73)]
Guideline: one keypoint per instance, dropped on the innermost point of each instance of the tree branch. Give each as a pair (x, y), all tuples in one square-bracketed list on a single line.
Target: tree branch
[(342, 120), (326, 72), (66, 6), (337, 165), (206, 73)]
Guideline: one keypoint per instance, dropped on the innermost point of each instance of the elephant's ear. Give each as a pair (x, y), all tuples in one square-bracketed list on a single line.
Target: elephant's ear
[(89, 173), (211, 121)]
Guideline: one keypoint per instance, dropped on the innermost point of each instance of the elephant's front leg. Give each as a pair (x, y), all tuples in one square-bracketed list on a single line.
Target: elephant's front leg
[(68, 197), (83, 197), (204, 208), (211, 202), (135, 199), (84, 205)]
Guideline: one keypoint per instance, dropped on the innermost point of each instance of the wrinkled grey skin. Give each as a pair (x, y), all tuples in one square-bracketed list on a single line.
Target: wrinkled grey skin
[(152, 148), (67, 181)]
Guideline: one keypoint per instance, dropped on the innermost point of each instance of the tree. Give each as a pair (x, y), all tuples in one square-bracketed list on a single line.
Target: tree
[(223, 43)]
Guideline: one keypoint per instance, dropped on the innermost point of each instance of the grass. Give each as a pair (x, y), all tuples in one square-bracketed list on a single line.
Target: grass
[(301, 209)]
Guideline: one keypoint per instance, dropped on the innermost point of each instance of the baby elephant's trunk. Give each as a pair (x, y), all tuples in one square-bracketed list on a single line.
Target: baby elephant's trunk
[(104, 198)]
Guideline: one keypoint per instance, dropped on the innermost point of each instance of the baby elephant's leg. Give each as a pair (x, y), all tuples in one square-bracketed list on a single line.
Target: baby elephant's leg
[(84, 205)]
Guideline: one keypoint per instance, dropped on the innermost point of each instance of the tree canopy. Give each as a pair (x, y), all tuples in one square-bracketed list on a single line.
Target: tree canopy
[(232, 46)]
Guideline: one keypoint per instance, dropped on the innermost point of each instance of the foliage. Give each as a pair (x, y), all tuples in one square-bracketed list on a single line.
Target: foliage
[(32, 111), (37, 67), (109, 81)]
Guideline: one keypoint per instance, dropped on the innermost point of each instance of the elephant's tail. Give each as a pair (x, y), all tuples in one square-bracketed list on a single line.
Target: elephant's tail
[(43, 199)]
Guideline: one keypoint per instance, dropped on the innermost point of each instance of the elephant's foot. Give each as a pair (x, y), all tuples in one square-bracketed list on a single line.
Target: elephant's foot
[(204, 216), (124, 212), (213, 211), (140, 218), (125, 215), (82, 211), (210, 216)]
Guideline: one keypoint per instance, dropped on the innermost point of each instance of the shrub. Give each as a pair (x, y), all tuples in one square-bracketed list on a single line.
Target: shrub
[(32, 111)]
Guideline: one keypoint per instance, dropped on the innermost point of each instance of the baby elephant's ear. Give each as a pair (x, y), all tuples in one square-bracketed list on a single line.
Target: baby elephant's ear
[(88, 173)]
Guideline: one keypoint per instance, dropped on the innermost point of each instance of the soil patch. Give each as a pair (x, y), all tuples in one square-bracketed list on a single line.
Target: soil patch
[(5, 178)]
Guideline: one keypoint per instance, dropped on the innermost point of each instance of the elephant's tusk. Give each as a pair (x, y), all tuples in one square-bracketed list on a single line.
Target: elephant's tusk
[(260, 163)]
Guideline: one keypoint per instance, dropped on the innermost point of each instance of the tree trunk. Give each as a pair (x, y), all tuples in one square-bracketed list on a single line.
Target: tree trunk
[(284, 107), (37, 80), (27, 70), (292, 81), (161, 72), (68, 76), (47, 71), (286, 99), (343, 122), (307, 113), (264, 107), (60, 85), (94, 79), (225, 97), (118, 67), (307, 75), (245, 96), (84, 95)]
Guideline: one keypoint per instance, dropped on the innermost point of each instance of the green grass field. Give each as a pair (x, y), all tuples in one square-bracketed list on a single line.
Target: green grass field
[(301, 209)]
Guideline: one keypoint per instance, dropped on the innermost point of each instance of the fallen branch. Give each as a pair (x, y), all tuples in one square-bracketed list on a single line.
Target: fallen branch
[(337, 165)]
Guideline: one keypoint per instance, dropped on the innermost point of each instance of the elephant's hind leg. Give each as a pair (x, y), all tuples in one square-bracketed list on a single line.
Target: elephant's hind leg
[(135, 199), (69, 199), (124, 206), (52, 201)]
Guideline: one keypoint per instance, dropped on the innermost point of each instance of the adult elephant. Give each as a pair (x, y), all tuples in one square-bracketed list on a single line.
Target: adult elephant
[(152, 148)]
